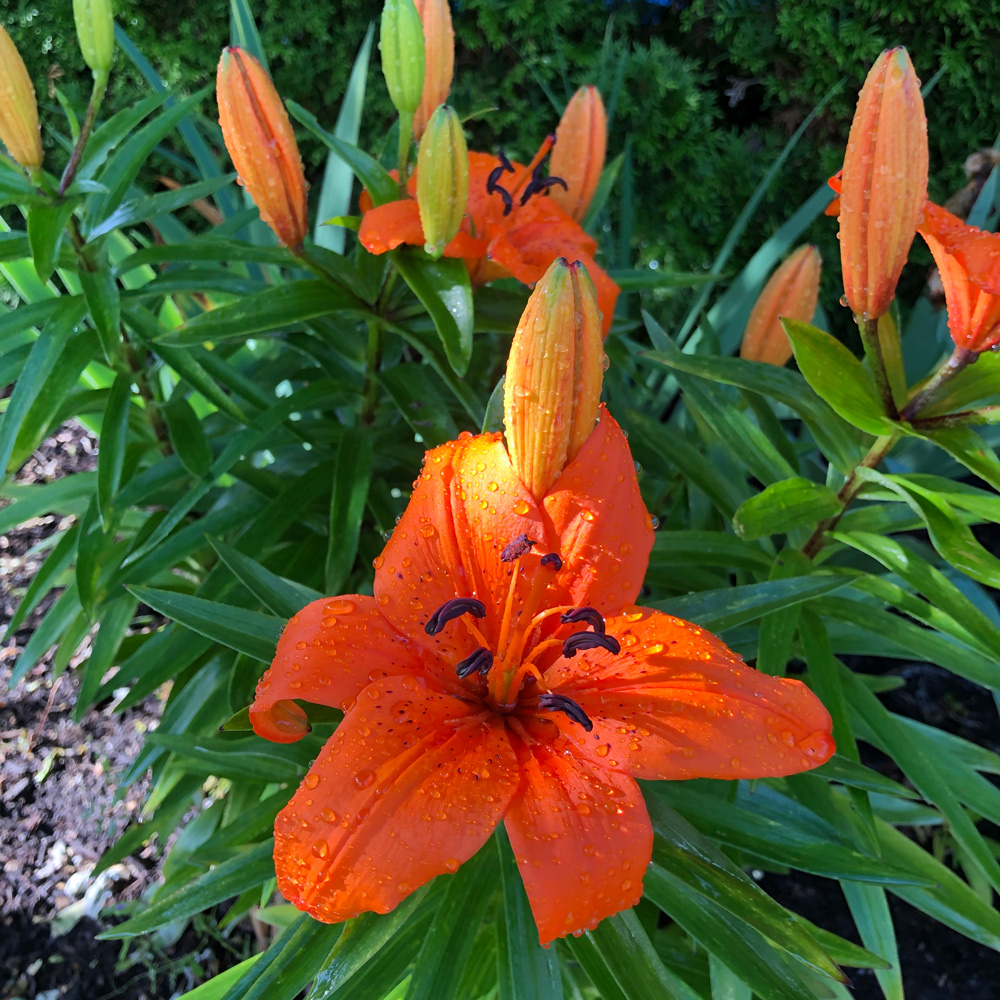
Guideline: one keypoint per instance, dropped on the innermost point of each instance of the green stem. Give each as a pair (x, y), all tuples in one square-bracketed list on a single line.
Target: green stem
[(96, 96), (850, 489), (372, 363), (963, 418), (960, 358), (403, 159), (873, 351)]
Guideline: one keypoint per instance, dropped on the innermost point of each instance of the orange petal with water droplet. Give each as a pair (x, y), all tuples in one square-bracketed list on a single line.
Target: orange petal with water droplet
[(327, 653), (602, 525), (466, 506), (582, 840), (400, 792), (388, 226), (676, 703)]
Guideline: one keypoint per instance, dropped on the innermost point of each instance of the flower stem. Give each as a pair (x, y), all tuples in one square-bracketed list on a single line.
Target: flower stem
[(873, 351), (961, 358), (403, 160), (849, 491), (963, 418), (96, 96)]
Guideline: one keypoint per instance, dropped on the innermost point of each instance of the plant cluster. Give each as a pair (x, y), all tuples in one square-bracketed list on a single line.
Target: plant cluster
[(627, 628)]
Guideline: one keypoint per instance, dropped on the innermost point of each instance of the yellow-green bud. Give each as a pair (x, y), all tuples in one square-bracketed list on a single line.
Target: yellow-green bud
[(95, 30), (442, 179), (401, 42)]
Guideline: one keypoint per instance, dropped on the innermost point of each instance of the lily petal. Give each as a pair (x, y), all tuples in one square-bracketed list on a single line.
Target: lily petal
[(605, 533), (582, 840), (327, 653), (467, 505), (408, 787), (388, 226), (676, 703)]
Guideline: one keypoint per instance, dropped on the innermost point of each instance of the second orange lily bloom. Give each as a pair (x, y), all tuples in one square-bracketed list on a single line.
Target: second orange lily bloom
[(502, 673)]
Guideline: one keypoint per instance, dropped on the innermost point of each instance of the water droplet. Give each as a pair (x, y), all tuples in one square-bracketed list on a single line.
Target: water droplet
[(587, 515), (651, 522), (603, 750), (492, 487), (451, 865), (654, 647), (340, 607), (310, 780), (364, 778), (427, 531), (582, 808), (320, 849), (521, 507), (378, 562)]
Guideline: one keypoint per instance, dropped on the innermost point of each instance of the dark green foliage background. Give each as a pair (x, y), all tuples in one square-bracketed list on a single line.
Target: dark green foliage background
[(695, 158)]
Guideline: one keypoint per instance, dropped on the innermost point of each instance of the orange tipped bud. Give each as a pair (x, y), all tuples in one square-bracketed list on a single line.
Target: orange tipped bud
[(439, 59), (578, 157), (884, 183), (791, 293), (442, 179), (261, 142), (554, 374), (283, 722), (18, 108)]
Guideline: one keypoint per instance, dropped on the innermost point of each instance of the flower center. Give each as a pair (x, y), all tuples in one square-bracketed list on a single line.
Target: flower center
[(538, 182), (518, 653)]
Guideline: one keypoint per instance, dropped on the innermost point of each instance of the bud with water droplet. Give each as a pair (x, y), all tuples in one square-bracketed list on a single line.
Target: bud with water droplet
[(791, 293), (884, 184), (578, 155), (95, 31), (439, 59), (554, 373), (401, 42), (442, 179), (18, 108), (261, 142)]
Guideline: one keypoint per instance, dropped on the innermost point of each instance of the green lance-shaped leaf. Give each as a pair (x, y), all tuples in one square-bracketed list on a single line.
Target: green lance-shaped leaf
[(837, 376), (782, 506), (100, 289), (114, 440), (347, 505), (46, 225)]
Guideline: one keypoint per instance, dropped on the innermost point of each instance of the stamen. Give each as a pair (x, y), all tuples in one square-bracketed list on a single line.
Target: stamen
[(540, 183), (543, 151), (552, 560), (589, 640), (493, 185), (454, 608), (478, 661), (589, 615), (517, 548), (560, 703)]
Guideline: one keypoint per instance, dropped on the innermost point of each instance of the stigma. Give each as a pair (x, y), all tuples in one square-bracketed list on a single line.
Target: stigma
[(520, 639)]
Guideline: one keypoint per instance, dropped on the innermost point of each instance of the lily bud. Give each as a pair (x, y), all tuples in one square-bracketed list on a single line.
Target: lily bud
[(442, 179), (401, 42), (578, 156), (884, 184), (18, 108), (791, 293), (439, 59), (554, 374), (261, 142), (95, 31)]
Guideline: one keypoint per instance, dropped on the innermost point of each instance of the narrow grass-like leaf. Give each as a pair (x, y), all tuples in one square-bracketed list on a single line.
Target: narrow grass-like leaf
[(525, 970), (114, 441), (246, 868), (782, 506), (444, 290), (870, 911), (187, 436), (412, 388), (245, 631), (730, 606), (347, 506), (283, 597), (100, 289)]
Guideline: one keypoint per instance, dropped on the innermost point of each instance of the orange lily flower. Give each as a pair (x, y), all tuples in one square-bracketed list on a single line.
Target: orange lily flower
[(502, 673), (510, 227), (969, 262)]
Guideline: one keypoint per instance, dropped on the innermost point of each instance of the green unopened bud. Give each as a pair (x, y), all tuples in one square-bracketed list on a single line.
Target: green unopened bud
[(401, 42), (95, 30), (442, 179)]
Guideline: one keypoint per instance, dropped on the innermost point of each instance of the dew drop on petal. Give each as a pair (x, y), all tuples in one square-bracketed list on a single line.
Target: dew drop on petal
[(364, 778), (310, 780), (521, 507), (320, 849)]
